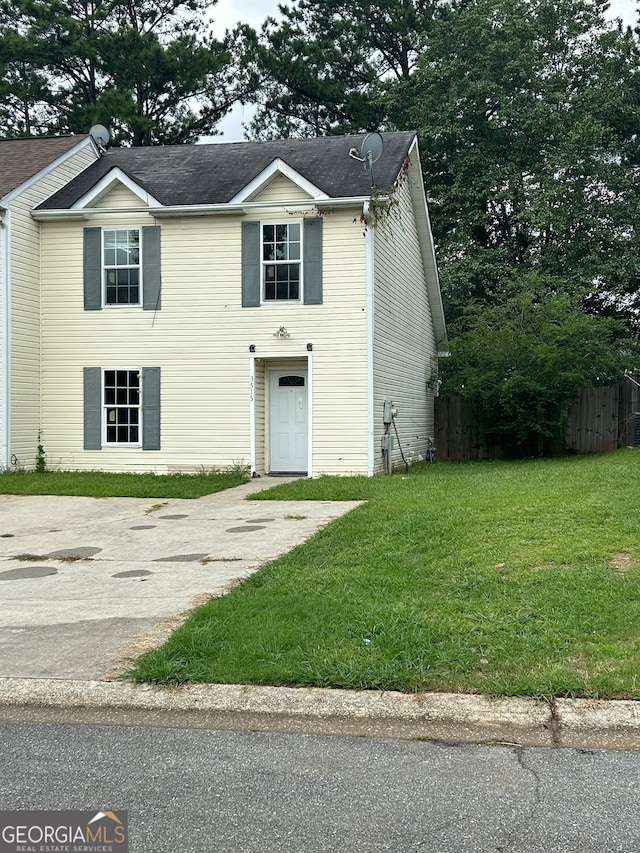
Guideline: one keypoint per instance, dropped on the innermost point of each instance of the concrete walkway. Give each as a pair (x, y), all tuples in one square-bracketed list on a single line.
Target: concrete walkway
[(86, 584)]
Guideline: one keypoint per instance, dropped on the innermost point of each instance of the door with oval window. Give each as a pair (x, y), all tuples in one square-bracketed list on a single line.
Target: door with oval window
[(288, 423)]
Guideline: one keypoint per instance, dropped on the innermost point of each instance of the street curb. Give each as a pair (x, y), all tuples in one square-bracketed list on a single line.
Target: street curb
[(447, 717), (598, 723), (450, 717)]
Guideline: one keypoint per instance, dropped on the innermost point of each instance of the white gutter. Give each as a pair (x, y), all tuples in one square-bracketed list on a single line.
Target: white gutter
[(199, 209), (5, 337), (370, 329)]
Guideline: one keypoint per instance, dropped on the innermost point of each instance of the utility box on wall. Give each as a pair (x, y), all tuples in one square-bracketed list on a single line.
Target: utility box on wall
[(388, 412)]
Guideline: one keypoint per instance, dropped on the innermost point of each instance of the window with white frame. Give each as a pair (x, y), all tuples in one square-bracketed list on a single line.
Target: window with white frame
[(121, 405), (281, 264), (121, 256)]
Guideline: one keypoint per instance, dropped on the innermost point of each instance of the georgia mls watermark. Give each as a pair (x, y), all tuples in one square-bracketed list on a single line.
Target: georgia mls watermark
[(63, 832)]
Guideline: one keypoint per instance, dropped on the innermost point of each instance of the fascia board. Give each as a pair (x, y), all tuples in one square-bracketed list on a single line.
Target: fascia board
[(226, 209), (277, 167), (105, 185), (425, 237)]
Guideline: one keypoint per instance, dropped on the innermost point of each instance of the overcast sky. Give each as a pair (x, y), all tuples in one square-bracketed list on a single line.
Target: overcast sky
[(227, 13)]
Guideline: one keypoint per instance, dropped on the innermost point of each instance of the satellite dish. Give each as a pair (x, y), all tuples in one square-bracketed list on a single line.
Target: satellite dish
[(100, 136), (371, 148), (370, 152)]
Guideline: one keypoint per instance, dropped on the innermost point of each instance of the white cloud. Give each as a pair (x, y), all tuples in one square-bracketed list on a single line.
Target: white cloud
[(624, 9), (227, 13)]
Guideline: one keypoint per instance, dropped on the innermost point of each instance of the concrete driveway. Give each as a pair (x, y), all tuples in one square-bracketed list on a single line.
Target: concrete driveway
[(87, 583)]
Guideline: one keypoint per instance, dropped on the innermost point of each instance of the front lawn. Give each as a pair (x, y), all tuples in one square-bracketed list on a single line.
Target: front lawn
[(518, 578), (99, 484)]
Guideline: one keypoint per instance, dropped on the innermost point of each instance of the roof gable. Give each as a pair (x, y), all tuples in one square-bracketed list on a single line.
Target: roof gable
[(219, 173), (25, 159), (106, 185), (275, 169)]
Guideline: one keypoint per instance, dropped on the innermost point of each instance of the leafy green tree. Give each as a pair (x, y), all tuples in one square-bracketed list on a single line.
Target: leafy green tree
[(521, 361), (147, 68), (528, 121), (321, 66)]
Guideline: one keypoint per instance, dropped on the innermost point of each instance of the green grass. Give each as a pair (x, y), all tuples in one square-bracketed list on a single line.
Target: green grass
[(508, 578), (99, 484)]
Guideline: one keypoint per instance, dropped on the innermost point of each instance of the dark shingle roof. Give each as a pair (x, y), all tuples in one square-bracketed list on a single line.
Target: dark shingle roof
[(22, 158), (215, 173)]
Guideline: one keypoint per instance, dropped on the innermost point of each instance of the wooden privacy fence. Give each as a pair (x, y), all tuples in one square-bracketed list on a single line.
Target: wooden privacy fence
[(600, 419)]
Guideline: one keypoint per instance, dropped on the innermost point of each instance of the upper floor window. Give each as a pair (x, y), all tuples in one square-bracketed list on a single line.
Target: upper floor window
[(281, 261), (121, 249), (121, 267)]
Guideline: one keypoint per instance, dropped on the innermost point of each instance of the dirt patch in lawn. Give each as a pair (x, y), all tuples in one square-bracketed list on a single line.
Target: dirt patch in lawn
[(623, 561)]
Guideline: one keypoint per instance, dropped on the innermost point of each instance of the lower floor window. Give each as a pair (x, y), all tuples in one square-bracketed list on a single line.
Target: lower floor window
[(122, 406)]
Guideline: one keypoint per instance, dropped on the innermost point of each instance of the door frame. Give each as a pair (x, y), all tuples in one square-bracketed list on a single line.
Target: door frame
[(260, 414)]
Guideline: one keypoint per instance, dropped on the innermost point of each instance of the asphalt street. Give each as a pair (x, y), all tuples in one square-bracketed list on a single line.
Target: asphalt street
[(188, 791)]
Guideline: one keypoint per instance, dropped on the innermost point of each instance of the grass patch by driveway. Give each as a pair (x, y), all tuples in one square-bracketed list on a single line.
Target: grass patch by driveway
[(518, 578), (100, 484)]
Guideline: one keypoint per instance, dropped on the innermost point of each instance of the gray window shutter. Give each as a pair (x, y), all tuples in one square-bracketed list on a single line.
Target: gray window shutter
[(92, 408), (151, 408), (151, 275), (251, 263), (312, 263), (92, 269)]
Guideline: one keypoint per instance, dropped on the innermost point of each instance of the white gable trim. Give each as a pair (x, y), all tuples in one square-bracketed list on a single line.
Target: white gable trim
[(266, 176), (105, 186), (425, 239), (83, 143)]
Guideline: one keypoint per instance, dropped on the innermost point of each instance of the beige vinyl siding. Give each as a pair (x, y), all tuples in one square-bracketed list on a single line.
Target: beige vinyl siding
[(200, 339), (404, 350), (281, 189), (120, 198), (25, 305)]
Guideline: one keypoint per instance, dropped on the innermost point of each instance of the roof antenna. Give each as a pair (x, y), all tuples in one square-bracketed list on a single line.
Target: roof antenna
[(100, 136), (369, 153)]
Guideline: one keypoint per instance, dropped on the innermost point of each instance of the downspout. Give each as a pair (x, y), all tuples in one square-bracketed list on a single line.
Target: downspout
[(5, 338), (370, 327), (252, 416), (309, 415)]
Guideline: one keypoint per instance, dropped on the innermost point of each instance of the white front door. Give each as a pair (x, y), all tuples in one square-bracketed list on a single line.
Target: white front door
[(288, 400)]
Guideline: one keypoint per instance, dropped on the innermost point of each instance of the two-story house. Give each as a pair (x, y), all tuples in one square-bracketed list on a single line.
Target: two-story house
[(249, 302)]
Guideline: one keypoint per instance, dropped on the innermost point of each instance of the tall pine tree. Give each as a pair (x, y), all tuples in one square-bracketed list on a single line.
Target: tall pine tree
[(147, 69)]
